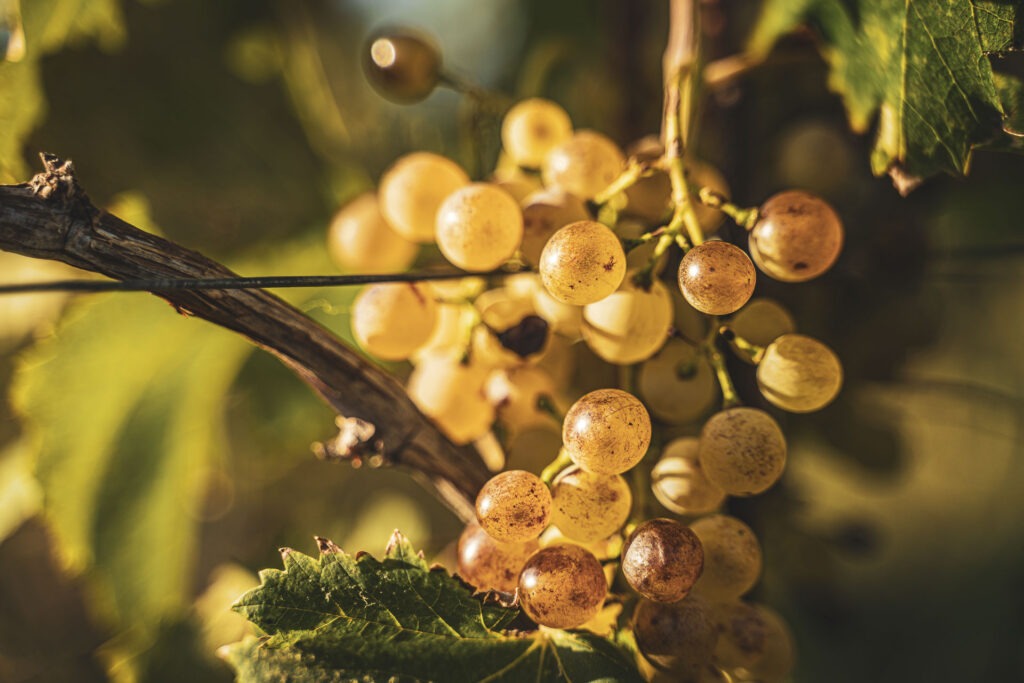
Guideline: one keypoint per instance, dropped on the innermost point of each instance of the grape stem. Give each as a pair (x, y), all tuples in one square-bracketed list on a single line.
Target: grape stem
[(555, 467), (752, 351), (635, 170), (746, 218), (730, 398)]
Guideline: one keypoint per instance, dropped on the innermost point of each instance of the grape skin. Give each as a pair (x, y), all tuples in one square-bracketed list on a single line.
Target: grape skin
[(588, 507), (668, 395), (392, 320), (732, 557), (451, 393), (562, 586), (629, 325), (607, 431), (412, 191), (516, 392), (490, 565), (799, 374), (679, 482), (479, 227), (679, 636), (742, 450), (544, 214), (716, 278), (403, 67), (778, 652), (513, 506), (662, 559), (797, 237), (760, 323), (582, 263), (359, 240), (742, 635), (583, 165), (532, 128)]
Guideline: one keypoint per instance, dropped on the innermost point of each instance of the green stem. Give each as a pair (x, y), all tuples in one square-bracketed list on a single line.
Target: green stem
[(634, 171), (730, 398), (555, 467), (752, 351), (745, 217)]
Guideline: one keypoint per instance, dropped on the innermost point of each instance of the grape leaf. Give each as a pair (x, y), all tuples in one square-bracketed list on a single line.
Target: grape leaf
[(920, 66), (339, 617)]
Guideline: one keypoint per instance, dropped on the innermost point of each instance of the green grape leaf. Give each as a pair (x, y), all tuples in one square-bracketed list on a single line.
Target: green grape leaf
[(339, 617), (921, 68)]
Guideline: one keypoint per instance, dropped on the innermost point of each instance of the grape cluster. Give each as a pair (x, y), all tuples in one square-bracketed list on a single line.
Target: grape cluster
[(502, 355)]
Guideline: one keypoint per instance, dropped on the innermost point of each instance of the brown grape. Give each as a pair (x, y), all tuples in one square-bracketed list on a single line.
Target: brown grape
[(797, 237), (562, 586), (489, 564), (662, 559), (514, 506), (679, 636), (732, 557), (402, 66), (742, 635), (742, 450), (716, 278), (607, 431)]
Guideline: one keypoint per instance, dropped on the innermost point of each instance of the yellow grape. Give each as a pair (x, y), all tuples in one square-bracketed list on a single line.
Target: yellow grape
[(732, 557), (582, 263), (662, 559), (679, 636), (359, 240), (778, 653), (451, 332), (532, 128), (479, 227), (678, 385), (799, 374), (412, 190), (760, 322), (392, 320), (587, 507), (544, 214), (629, 325), (533, 448), (797, 236), (489, 564), (513, 506), (742, 450), (562, 586), (451, 393), (704, 174), (516, 392), (607, 431), (716, 278), (742, 635), (584, 164), (679, 483)]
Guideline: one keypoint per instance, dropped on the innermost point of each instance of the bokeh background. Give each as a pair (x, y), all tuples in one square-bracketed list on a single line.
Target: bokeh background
[(151, 464)]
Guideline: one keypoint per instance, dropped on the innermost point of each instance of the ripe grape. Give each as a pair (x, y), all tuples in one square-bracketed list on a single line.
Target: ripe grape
[(402, 66), (742, 635), (678, 385), (412, 190), (451, 332), (662, 559), (515, 181), (760, 322), (778, 652), (716, 278), (679, 636), (582, 263), (588, 507), (584, 164), (799, 374), (797, 237), (562, 586), (679, 483), (360, 240), (704, 174), (532, 128), (391, 320), (629, 325), (544, 214), (489, 564), (607, 431), (516, 392), (732, 557), (451, 393), (742, 450), (479, 227), (565, 319), (513, 506)]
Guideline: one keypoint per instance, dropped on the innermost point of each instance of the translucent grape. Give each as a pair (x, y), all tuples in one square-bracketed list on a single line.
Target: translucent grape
[(584, 164), (629, 325), (662, 559), (799, 374), (392, 319), (513, 180), (490, 565), (562, 586), (452, 394), (582, 263), (359, 240), (588, 507), (679, 636), (742, 635), (742, 450), (716, 278), (703, 174), (412, 190), (679, 483), (544, 214), (516, 393), (402, 66), (532, 128), (778, 654), (678, 385), (797, 237), (732, 557), (451, 332), (513, 506), (479, 227), (565, 319), (607, 431), (760, 322)]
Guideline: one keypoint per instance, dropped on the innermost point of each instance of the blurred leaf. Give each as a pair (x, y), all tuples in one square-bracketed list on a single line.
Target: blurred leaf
[(20, 495), (340, 617), (921, 66)]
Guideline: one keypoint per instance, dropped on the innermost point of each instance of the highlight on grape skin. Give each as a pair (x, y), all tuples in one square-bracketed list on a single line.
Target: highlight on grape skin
[(799, 374), (716, 278), (662, 559), (413, 189), (403, 66), (562, 586), (514, 506), (797, 237), (489, 564), (607, 431), (479, 227), (582, 263)]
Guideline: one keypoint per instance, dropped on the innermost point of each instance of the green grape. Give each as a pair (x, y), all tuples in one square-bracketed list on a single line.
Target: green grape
[(582, 263), (716, 278), (778, 653), (544, 214), (742, 635), (516, 393), (402, 66), (679, 636), (513, 506), (760, 322), (562, 586), (451, 393), (742, 450), (678, 385), (392, 320), (629, 325), (532, 128), (799, 374), (412, 191), (662, 559), (732, 557), (607, 431), (479, 227), (679, 483), (583, 165), (797, 237), (359, 240), (586, 506), (490, 565)]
